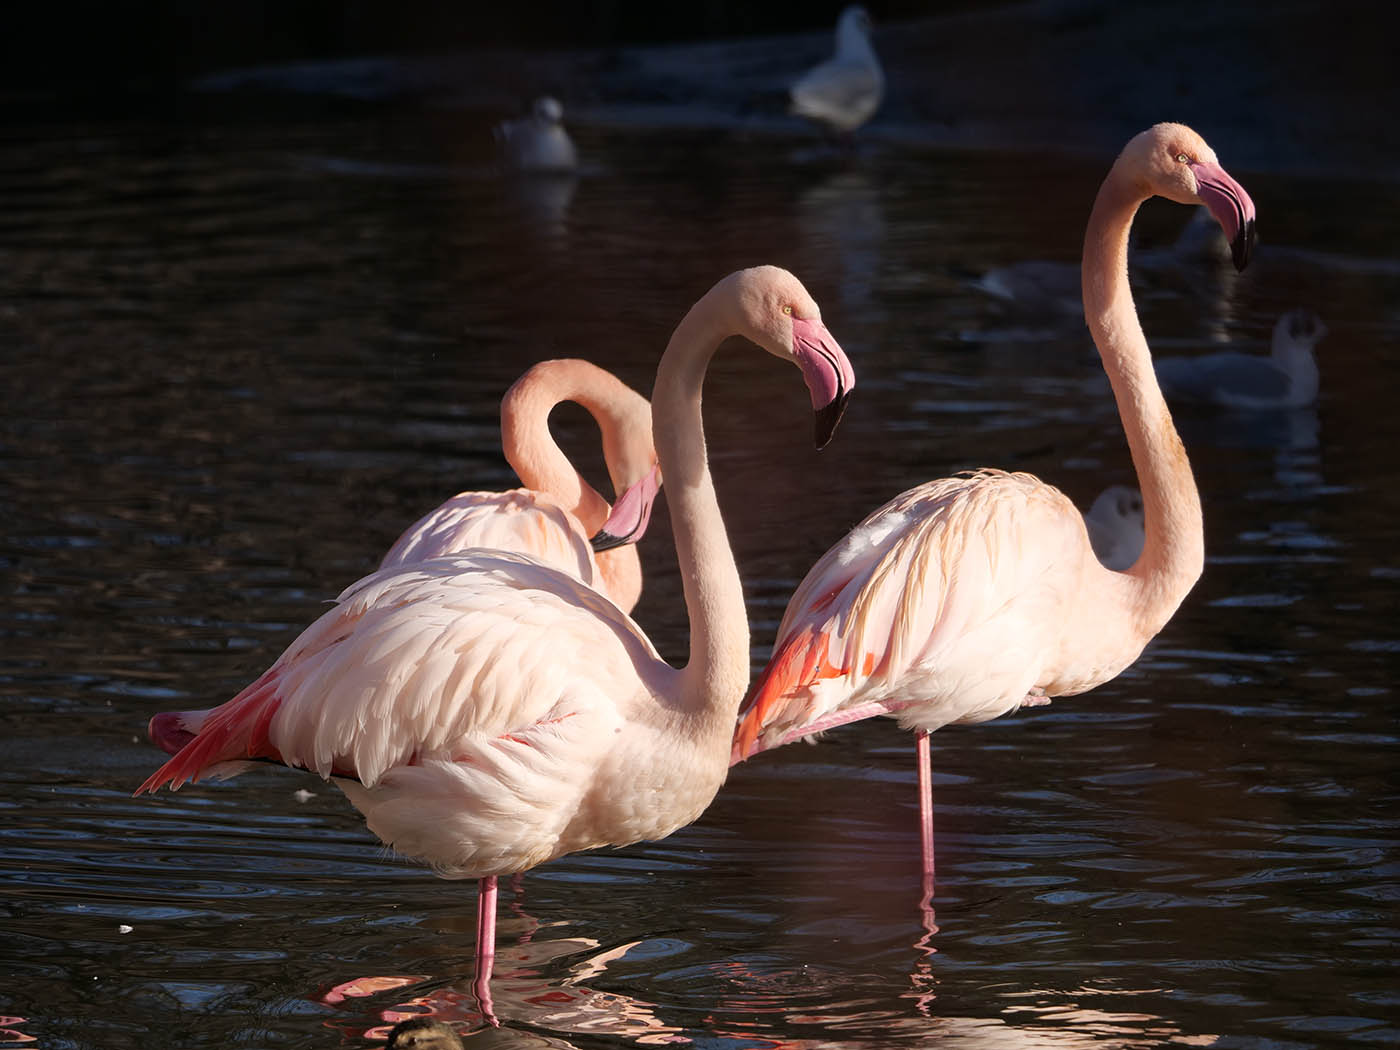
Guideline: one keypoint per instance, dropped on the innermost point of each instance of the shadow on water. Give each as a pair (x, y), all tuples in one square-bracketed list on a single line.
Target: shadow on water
[(242, 355)]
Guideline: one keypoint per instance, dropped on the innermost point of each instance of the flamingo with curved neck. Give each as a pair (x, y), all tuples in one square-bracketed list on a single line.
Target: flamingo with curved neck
[(556, 512), (965, 598), (487, 713)]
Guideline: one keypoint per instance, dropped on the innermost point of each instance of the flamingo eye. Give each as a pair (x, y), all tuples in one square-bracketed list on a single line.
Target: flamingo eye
[(787, 310), (1182, 158)]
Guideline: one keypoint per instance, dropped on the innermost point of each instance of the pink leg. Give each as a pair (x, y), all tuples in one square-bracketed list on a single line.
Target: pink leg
[(485, 948), (925, 816)]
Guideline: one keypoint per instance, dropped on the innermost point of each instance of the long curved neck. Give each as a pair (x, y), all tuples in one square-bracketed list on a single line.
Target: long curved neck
[(1174, 552), (716, 675), (539, 462)]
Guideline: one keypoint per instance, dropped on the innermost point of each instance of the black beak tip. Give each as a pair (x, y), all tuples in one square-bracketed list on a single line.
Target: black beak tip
[(827, 418), (606, 541), (1242, 248)]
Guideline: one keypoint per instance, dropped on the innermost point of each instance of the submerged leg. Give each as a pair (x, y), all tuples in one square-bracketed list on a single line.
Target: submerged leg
[(485, 948)]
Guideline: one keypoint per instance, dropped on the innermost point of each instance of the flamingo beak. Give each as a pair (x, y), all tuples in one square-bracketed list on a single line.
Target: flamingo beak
[(630, 514), (1230, 204), (827, 371)]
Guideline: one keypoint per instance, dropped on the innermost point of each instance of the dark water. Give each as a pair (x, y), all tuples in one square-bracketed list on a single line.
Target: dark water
[(240, 355)]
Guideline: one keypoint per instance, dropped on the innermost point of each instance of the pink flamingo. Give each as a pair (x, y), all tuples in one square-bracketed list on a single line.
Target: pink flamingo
[(963, 599), (554, 515), (487, 713)]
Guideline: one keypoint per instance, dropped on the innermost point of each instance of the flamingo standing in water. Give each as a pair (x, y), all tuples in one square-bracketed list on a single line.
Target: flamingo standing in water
[(553, 516), (965, 598), (487, 713)]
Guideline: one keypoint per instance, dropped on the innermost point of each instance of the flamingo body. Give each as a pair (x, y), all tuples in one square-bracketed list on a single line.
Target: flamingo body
[(465, 742), (519, 520), (965, 594)]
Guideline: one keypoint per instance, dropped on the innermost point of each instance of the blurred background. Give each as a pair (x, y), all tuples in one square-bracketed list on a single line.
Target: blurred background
[(265, 274)]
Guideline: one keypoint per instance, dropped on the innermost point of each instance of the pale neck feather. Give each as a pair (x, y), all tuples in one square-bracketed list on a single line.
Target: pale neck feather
[(716, 674), (541, 464), (1173, 553), (531, 451)]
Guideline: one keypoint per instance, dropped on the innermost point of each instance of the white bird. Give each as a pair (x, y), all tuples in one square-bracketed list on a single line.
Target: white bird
[(965, 598), (844, 91), (1116, 527), (487, 713), (1287, 378), (538, 142), (554, 515)]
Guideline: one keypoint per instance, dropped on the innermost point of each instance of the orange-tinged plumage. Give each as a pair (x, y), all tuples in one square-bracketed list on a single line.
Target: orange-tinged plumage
[(965, 598), (487, 712)]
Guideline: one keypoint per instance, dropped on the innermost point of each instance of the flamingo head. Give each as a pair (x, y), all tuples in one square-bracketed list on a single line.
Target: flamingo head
[(1176, 163), (776, 312)]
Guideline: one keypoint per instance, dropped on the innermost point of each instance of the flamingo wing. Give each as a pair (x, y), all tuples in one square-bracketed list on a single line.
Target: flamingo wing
[(424, 662), (945, 605)]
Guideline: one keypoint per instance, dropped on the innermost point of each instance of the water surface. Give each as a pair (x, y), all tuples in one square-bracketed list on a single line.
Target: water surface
[(242, 354)]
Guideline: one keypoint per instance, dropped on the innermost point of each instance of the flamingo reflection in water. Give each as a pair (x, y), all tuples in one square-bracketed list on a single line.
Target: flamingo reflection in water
[(525, 990)]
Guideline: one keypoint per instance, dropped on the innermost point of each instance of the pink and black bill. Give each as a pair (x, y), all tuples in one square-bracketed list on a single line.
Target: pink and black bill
[(1227, 200), (830, 378), (630, 514)]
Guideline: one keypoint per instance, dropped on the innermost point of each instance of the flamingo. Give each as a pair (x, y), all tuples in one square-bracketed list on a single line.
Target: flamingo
[(553, 516), (965, 598), (1115, 526), (487, 713), (538, 142), (844, 91)]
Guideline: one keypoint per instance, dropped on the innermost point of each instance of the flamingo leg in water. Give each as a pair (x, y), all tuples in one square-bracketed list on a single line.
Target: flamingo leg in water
[(485, 948), (925, 816)]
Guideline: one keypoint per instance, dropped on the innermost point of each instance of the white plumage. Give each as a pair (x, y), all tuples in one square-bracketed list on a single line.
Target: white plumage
[(844, 91), (1117, 528), (538, 142), (1286, 378), (487, 712)]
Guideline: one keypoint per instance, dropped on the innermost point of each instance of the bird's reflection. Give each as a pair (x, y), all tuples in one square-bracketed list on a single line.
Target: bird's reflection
[(773, 1004), (525, 991), (540, 201), (842, 218), (10, 1034)]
